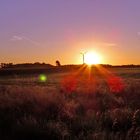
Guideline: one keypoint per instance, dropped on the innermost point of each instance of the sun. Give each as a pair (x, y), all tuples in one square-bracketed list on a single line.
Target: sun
[(92, 58)]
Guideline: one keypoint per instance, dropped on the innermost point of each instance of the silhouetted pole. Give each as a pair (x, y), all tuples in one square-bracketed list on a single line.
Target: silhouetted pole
[(83, 54)]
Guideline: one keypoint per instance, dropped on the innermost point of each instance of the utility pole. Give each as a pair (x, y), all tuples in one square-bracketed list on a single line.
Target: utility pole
[(83, 55)]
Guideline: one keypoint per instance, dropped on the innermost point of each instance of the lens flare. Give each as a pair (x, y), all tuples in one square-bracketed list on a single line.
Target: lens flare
[(42, 78)]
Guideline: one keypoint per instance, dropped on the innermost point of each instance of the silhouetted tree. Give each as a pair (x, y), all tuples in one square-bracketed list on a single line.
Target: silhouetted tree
[(57, 63)]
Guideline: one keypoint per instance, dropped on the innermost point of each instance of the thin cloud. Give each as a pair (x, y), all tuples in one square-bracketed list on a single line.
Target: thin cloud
[(110, 44), (21, 38), (16, 38)]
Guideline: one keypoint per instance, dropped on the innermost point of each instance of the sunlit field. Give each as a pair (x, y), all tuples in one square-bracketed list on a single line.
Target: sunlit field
[(83, 104)]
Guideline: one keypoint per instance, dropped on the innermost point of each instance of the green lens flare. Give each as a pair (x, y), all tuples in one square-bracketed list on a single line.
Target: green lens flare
[(42, 78)]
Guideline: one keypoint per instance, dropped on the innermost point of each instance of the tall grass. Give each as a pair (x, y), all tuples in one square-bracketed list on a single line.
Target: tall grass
[(38, 113)]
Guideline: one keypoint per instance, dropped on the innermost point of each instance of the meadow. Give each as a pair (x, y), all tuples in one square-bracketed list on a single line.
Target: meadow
[(81, 104)]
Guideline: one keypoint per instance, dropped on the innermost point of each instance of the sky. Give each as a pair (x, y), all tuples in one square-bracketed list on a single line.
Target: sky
[(49, 30)]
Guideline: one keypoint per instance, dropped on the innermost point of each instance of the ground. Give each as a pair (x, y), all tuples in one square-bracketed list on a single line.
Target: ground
[(82, 104)]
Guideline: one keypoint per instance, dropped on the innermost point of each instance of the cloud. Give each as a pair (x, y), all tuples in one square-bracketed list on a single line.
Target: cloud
[(21, 38), (108, 44), (31, 41), (16, 38)]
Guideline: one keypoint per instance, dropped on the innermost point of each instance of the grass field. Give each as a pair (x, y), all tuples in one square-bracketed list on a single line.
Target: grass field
[(83, 104)]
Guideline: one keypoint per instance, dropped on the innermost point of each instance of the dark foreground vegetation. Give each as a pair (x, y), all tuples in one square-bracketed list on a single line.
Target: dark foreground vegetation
[(37, 113), (84, 104)]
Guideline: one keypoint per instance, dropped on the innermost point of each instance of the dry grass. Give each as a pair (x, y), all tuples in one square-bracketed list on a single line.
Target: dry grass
[(81, 113)]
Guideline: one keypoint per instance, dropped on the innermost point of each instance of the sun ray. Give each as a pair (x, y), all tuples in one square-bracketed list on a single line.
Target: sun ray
[(115, 83)]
